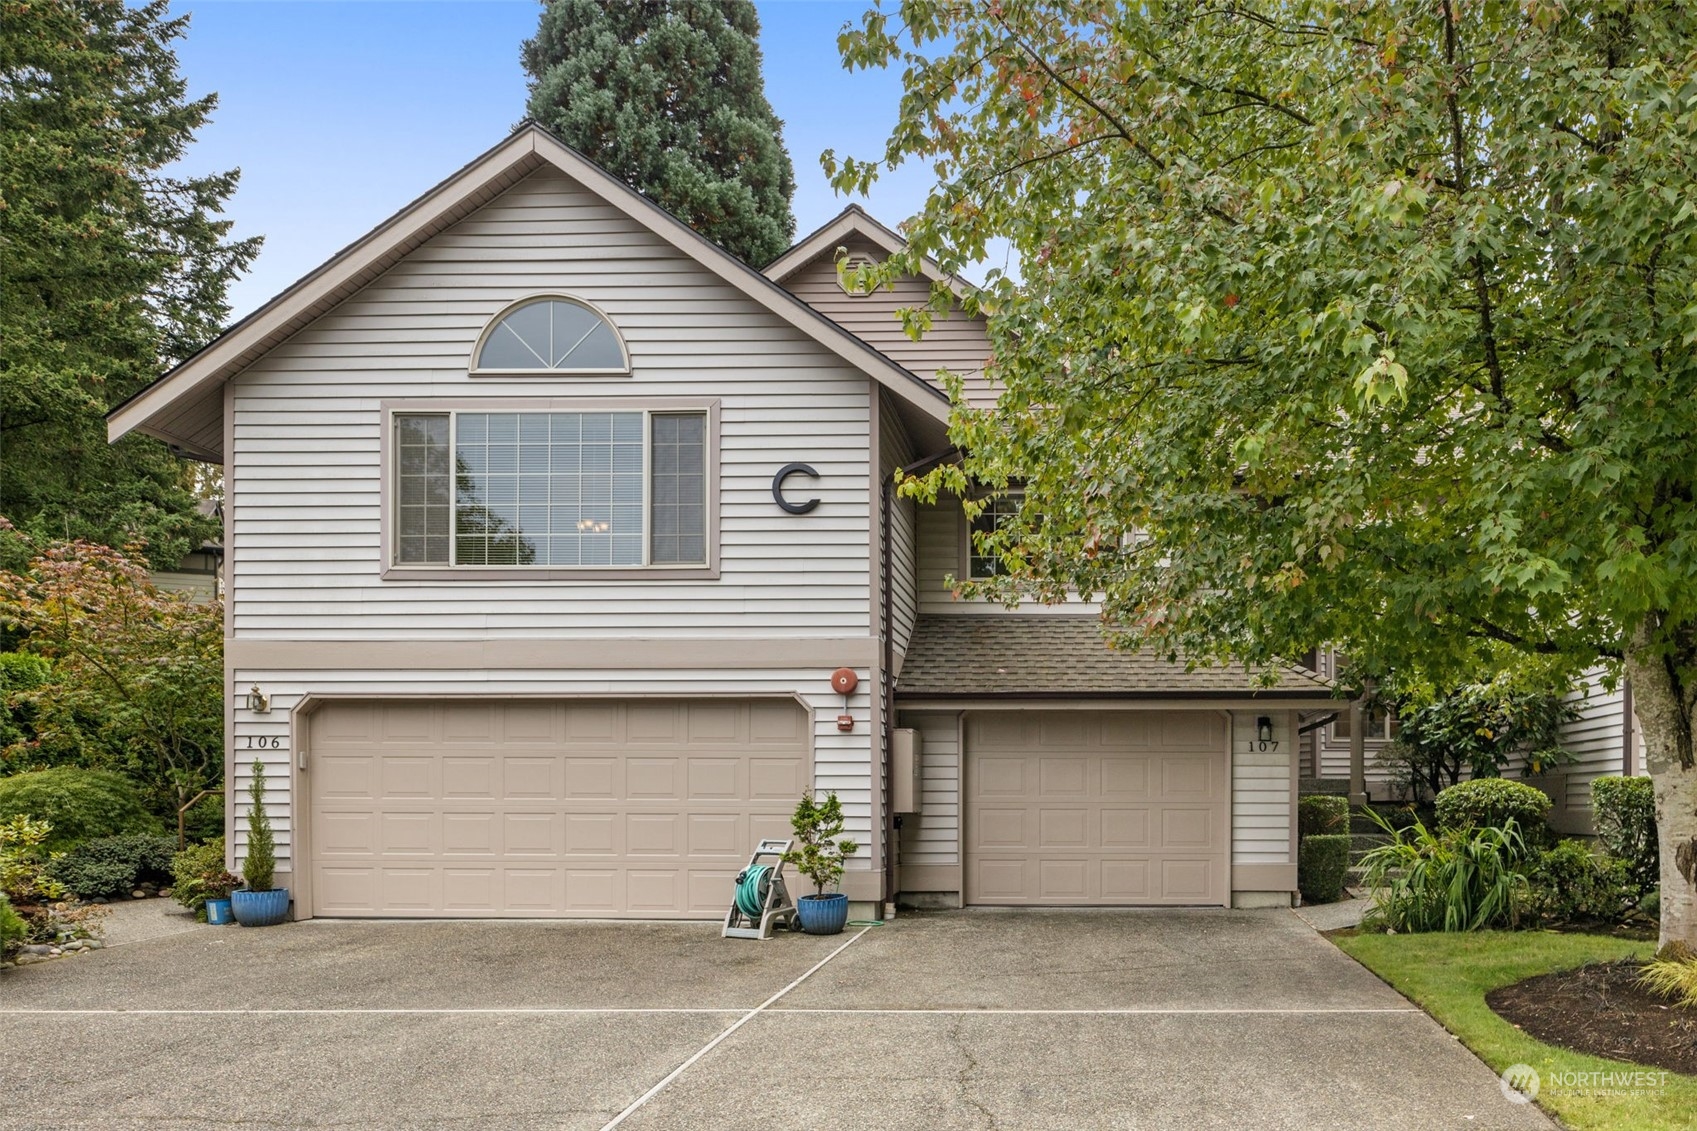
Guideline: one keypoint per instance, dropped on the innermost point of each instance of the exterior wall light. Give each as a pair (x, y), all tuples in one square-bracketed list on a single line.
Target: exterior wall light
[(1264, 729), (257, 701)]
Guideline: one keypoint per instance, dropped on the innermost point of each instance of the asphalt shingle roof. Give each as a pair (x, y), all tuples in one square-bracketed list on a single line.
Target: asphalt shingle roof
[(1055, 656)]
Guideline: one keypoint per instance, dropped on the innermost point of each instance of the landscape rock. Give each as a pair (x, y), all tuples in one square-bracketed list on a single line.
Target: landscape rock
[(138, 894), (36, 948)]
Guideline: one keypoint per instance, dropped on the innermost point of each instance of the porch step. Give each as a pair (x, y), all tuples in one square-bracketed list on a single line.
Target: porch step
[(1337, 787)]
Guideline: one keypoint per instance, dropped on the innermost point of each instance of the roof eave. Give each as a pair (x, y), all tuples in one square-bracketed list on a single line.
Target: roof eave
[(396, 236)]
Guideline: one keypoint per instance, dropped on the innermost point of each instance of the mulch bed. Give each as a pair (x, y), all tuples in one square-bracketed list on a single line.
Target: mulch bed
[(1600, 1010)]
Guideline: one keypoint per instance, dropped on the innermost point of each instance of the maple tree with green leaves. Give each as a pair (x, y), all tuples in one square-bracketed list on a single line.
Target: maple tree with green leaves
[(1360, 323)]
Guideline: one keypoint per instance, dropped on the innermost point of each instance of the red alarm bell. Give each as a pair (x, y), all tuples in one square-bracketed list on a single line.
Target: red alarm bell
[(843, 682)]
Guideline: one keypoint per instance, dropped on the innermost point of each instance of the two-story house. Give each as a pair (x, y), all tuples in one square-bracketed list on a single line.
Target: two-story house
[(547, 524)]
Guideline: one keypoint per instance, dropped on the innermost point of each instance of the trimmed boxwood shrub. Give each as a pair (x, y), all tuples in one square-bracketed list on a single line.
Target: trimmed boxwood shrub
[(1321, 863), (1322, 814), (113, 865), (79, 804), (13, 929), (1490, 803), (1624, 811)]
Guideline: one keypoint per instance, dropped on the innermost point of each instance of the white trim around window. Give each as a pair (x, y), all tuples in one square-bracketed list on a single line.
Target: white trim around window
[(549, 366), (707, 569)]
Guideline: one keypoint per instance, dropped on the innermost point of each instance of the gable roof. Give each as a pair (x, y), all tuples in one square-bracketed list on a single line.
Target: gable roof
[(1042, 656), (854, 221), (181, 409)]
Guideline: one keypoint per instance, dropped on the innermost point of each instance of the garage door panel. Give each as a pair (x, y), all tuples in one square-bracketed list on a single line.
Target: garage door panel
[(530, 778), (469, 776), (544, 808), (1059, 776), (1049, 824), (1125, 828), (715, 779), (1063, 828), (1125, 880)]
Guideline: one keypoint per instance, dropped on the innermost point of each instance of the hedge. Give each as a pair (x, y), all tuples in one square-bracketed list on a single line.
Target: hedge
[(1322, 861), (113, 865), (1624, 811), (1490, 803), (80, 804), (1322, 814)]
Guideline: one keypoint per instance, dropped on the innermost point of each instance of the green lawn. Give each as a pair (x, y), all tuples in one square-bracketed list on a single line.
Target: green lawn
[(1448, 975)]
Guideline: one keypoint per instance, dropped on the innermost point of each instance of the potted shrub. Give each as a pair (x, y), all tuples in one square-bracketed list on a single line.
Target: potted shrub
[(260, 904), (200, 883), (818, 826)]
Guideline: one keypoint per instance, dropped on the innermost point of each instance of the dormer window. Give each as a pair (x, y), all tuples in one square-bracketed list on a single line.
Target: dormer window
[(551, 335)]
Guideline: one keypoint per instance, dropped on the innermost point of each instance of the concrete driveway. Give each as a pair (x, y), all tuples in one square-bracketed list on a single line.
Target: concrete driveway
[(1182, 1019)]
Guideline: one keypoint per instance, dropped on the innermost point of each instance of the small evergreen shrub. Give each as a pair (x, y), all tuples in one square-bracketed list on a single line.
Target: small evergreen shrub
[(1492, 803), (198, 874), (1570, 883), (1624, 810), (1321, 862), (114, 865), (260, 867), (13, 929), (818, 829), (1321, 815), (80, 804)]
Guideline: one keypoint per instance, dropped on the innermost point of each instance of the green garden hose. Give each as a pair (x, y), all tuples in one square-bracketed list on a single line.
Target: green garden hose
[(752, 886)]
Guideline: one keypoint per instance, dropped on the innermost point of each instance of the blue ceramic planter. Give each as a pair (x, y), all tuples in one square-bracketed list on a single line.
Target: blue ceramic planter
[(218, 912), (260, 908), (822, 914)]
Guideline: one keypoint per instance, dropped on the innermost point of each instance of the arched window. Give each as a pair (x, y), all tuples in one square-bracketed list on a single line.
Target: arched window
[(551, 335)]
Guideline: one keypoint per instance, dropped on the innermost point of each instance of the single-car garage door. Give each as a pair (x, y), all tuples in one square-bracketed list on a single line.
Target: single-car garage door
[(1109, 808), (541, 808)]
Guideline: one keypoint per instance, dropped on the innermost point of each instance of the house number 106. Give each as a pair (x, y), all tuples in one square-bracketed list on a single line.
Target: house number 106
[(264, 742)]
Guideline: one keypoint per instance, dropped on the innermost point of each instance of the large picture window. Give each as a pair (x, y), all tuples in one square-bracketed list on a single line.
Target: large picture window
[(565, 490)]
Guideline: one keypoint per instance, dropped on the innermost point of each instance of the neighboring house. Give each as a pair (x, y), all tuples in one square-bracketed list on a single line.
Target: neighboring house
[(547, 617), (201, 572)]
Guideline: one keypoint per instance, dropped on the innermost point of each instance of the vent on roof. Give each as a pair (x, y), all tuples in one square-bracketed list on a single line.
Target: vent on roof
[(846, 268)]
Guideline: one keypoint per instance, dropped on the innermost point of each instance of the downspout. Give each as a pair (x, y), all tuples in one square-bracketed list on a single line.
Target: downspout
[(886, 620)]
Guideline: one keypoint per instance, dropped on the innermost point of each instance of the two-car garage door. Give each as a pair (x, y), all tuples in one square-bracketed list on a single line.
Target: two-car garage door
[(1114, 808), (542, 808)]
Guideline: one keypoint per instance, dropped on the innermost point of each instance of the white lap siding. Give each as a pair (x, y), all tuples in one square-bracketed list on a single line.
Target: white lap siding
[(933, 836), (841, 761), (1261, 791)]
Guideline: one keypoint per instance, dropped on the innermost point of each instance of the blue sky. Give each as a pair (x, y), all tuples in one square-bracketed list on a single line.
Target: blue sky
[(338, 112)]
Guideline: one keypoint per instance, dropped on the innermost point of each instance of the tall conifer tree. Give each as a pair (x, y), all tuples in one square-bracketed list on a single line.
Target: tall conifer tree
[(667, 95), (111, 267)]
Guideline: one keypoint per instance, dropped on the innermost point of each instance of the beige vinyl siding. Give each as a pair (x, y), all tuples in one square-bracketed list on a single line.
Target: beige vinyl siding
[(955, 342), (841, 761), (933, 836), (305, 552), (1261, 805), (904, 600), (1595, 737)]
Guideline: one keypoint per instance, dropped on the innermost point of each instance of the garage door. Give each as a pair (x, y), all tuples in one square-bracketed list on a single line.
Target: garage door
[(1108, 808), (529, 808)]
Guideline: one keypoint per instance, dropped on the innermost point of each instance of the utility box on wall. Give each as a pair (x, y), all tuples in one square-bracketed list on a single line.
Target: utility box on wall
[(907, 752)]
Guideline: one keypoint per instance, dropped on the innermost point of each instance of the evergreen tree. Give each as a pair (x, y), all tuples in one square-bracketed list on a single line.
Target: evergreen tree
[(110, 267), (667, 95)]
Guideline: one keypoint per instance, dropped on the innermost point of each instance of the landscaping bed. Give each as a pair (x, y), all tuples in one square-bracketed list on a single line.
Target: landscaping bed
[(1449, 975), (1600, 1009)]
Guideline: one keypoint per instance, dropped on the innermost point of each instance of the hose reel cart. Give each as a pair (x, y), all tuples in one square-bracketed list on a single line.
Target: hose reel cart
[(760, 901)]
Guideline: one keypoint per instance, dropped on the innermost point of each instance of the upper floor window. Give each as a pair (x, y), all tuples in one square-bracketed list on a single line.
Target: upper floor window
[(614, 489), (998, 510), (550, 335), (1377, 724)]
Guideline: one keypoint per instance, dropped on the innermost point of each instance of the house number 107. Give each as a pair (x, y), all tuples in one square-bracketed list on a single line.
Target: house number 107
[(1263, 745), (264, 742)]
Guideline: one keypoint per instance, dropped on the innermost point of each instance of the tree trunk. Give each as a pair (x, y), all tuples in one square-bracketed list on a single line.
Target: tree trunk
[(1666, 718)]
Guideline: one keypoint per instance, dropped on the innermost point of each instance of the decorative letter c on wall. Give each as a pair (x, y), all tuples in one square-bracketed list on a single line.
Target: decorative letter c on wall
[(784, 473)]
